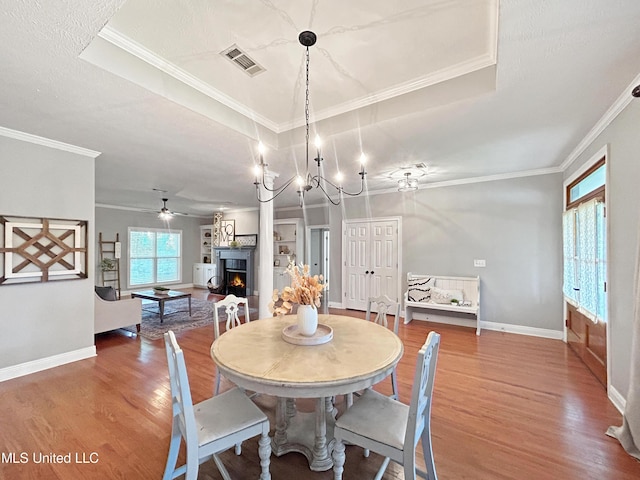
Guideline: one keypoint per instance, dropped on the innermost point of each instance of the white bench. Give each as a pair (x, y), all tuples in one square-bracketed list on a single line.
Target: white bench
[(435, 292)]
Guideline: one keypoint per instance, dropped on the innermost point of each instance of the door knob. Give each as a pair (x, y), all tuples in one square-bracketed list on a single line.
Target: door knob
[(372, 272), (367, 272)]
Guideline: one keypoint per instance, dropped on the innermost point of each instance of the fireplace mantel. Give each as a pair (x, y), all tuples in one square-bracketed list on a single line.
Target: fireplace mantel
[(243, 253)]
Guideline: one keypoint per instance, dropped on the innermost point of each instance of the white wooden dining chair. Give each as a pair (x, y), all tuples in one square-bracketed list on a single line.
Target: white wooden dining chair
[(212, 426), (384, 306), (390, 428), (231, 305)]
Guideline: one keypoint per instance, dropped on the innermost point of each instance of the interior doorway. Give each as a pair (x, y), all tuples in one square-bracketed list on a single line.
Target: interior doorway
[(318, 250)]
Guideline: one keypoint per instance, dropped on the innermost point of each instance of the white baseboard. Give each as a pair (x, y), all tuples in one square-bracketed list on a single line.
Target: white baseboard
[(335, 305), (617, 399), (459, 322), (34, 366), (498, 327), (522, 330)]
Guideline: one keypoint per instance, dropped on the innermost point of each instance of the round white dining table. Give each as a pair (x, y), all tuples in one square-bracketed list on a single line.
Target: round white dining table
[(255, 357)]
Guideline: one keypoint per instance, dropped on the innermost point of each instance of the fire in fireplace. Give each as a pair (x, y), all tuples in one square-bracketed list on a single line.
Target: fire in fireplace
[(235, 276), (237, 281)]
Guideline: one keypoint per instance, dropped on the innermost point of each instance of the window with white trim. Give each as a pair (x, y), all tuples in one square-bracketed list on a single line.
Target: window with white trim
[(155, 256)]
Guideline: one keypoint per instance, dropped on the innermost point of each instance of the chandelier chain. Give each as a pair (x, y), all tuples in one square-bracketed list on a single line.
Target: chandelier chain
[(306, 109)]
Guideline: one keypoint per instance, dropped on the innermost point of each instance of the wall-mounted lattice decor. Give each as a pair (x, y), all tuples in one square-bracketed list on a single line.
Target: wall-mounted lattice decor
[(217, 222), (42, 249)]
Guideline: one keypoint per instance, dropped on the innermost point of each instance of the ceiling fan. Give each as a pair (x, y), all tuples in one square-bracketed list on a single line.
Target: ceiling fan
[(165, 213)]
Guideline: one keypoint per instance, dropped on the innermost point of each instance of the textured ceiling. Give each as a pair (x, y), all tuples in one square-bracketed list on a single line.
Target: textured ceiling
[(469, 90)]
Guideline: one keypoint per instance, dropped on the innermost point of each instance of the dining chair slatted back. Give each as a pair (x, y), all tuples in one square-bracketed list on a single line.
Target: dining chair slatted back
[(181, 401), (200, 425), (396, 434), (231, 305), (419, 420), (383, 307)]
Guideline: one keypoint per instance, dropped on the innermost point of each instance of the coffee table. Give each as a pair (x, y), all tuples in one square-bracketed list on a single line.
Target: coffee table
[(162, 299)]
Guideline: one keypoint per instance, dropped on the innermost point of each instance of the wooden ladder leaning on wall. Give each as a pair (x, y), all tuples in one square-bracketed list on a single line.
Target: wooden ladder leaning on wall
[(108, 251)]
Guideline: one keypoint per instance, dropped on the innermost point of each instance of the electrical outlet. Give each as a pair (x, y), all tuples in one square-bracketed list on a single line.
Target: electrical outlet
[(480, 263)]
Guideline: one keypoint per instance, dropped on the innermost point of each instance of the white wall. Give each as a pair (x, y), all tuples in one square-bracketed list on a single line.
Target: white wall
[(41, 320), (623, 219)]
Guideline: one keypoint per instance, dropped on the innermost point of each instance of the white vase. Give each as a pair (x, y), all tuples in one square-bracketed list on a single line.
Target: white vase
[(307, 319)]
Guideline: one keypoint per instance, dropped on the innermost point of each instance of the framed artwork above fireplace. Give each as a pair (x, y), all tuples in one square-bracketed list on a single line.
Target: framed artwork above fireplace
[(227, 232)]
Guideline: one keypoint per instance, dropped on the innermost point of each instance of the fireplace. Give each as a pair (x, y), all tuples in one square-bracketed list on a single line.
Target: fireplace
[(235, 276), (235, 266)]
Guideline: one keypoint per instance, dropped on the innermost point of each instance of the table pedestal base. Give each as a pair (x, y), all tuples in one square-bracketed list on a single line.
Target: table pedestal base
[(306, 433)]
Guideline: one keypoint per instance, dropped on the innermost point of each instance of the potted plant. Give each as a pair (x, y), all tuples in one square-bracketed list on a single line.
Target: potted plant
[(234, 244), (159, 290), (107, 264)]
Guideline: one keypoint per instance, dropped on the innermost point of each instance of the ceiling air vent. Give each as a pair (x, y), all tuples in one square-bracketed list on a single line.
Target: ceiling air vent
[(242, 60)]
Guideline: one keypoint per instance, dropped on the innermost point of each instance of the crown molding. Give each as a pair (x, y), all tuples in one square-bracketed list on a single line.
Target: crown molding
[(144, 210), (463, 68), (448, 183), (47, 142), (467, 181), (130, 46), (492, 178), (614, 110), (240, 210), (428, 80)]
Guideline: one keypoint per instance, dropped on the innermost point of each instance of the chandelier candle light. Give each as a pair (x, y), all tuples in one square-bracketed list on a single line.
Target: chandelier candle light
[(306, 291), (308, 181)]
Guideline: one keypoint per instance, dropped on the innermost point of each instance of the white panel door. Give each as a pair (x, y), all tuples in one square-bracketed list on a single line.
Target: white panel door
[(357, 259), (371, 261), (383, 264)]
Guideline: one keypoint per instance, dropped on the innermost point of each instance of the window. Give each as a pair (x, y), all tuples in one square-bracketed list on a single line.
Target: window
[(155, 256), (584, 244)]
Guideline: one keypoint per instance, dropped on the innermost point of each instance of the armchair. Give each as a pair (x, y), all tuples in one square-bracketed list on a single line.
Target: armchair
[(114, 314)]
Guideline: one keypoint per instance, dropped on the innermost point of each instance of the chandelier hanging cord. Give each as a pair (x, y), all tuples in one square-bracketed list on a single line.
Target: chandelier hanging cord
[(306, 115)]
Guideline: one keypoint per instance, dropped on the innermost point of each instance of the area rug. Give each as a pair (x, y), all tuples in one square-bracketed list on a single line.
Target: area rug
[(176, 317)]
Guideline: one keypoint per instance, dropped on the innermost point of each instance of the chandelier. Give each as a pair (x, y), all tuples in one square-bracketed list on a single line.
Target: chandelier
[(308, 181)]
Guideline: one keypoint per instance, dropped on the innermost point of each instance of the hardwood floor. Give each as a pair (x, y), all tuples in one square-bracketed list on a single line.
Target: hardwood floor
[(505, 407)]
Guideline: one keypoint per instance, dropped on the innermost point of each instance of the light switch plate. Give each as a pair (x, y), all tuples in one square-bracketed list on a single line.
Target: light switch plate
[(480, 263)]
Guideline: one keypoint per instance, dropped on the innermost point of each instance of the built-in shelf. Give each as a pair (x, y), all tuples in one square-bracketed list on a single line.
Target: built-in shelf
[(288, 234), (206, 243)]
